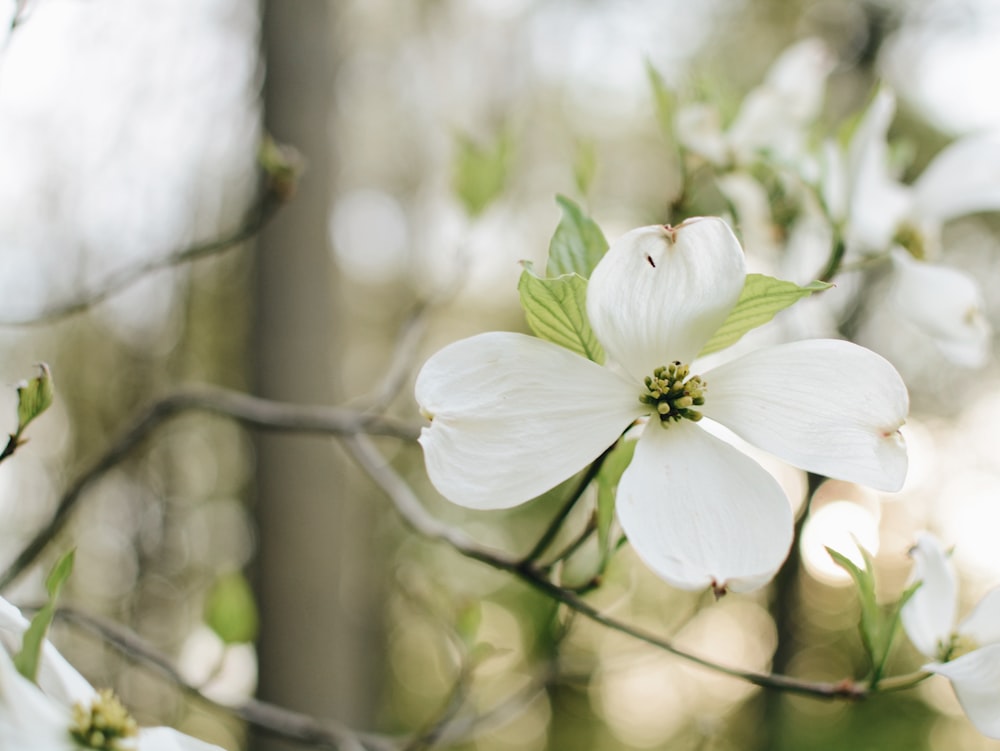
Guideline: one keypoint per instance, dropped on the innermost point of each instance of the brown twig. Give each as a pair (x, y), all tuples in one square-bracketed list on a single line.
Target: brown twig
[(248, 410)]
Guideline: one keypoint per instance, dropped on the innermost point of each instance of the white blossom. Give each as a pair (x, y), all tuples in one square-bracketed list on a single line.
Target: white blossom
[(42, 717), (967, 654), (887, 216), (513, 416), (774, 117)]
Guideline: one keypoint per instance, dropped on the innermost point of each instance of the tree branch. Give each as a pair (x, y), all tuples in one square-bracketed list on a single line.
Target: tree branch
[(410, 508), (248, 410), (265, 208), (276, 720)]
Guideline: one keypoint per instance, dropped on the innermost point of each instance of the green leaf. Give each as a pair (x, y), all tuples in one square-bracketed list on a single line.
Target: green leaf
[(761, 299), (556, 310), (34, 397), (578, 243), (663, 100), (231, 611), (480, 172), (607, 485), (585, 166), (864, 579), (27, 660)]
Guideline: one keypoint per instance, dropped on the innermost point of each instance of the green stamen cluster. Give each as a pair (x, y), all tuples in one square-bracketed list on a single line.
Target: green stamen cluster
[(912, 239), (104, 725), (672, 394)]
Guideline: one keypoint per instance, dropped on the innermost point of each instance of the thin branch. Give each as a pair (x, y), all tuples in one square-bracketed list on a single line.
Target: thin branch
[(248, 410), (278, 721), (410, 508), (256, 219), (555, 525)]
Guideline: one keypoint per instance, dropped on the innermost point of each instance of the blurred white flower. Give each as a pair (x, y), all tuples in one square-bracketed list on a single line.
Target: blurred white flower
[(906, 221), (513, 416), (63, 712), (774, 118), (945, 304), (929, 620)]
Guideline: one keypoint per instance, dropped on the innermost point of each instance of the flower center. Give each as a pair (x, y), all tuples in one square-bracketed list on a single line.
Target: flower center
[(672, 394), (104, 725)]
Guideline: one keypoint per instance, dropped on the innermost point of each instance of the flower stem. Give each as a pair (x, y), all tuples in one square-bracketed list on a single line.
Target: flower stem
[(556, 524)]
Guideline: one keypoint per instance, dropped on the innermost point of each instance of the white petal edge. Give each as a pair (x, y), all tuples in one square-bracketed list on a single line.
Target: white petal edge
[(659, 293), (982, 625), (168, 739), (513, 416), (28, 718), (945, 304), (976, 679), (929, 615), (56, 677), (878, 202), (823, 405), (702, 514), (961, 179)]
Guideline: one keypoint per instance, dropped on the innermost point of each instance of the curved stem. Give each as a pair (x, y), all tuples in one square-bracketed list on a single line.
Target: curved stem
[(900, 682)]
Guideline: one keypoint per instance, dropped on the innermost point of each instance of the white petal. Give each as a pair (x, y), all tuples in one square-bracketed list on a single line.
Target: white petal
[(878, 202), (929, 615), (168, 739), (513, 416), (775, 115), (660, 293), (56, 677), (699, 131), (982, 625), (823, 405), (976, 680), (945, 304), (700, 513), (28, 718), (962, 179)]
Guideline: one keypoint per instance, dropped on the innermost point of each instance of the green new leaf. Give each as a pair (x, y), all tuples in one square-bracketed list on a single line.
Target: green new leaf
[(34, 397), (607, 485), (761, 299), (578, 243), (879, 625), (556, 310), (27, 660), (231, 611), (480, 172), (663, 100), (871, 616), (584, 166)]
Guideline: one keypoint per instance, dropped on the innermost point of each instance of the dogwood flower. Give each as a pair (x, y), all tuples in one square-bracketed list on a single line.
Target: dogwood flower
[(774, 117), (906, 220), (967, 654), (63, 712), (512, 416)]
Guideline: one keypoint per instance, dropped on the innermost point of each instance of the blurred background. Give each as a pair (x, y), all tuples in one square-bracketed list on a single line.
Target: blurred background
[(130, 131)]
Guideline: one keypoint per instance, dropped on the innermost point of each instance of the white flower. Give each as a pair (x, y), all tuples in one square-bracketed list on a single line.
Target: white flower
[(960, 180), (513, 416), (929, 620), (942, 303), (44, 717), (774, 117)]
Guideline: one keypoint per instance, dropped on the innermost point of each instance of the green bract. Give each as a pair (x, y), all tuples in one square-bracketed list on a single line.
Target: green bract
[(556, 310), (578, 243), (26, 661)]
